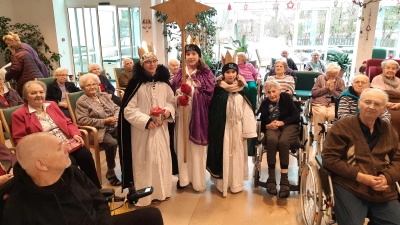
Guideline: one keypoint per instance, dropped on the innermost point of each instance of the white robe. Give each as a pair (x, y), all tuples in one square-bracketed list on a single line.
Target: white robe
[(151, 156), (240, 123), (194, 170)]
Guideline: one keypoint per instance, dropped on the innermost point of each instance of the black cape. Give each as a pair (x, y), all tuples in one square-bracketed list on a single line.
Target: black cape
[(124, 127), (216, 129)]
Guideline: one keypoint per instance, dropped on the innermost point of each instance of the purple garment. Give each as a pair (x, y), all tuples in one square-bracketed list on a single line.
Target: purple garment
[(202, 95), (42, 67)]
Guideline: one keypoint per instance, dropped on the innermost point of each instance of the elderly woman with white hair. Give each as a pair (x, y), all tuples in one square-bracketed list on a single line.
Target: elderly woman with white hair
[(57, 90), (8, 96), (286, 82), (105, 84), (251, 76), (315, 64), (326, 85), (96, 109)]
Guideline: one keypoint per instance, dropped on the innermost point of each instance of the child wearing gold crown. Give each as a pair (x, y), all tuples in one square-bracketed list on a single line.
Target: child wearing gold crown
[(147, 106), (231, 123), (196, 95)]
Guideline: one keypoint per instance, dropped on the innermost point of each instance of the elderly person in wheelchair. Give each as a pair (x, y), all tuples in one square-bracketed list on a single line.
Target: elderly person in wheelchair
[(348, 100), (323, 109), (363, 154), (279, 122), (286, 81), (48, 190)]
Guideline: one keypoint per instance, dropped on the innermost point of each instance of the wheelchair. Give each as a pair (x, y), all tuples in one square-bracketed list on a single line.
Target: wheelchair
[(298, 149)]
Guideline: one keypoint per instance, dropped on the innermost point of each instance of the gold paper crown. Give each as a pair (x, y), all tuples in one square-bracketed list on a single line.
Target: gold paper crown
[(228, 58), (191, 40), (145, 48)]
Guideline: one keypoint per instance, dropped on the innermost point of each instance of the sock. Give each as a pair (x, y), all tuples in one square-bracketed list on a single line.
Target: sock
[(271, 173)]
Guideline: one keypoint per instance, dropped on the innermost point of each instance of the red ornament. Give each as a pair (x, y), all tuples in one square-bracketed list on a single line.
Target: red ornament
[(245, 6), (290, 5), (390, 56), (229, 7)]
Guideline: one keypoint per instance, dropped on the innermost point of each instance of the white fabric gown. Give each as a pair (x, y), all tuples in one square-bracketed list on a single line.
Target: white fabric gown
[(151, 156), (194, 170), (240, 123)]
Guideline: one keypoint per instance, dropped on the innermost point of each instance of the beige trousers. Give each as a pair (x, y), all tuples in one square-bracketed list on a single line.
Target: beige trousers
[(322, 113)]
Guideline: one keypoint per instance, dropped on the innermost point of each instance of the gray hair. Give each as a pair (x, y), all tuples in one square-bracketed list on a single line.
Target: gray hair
[(123, 62), (28, 84), (241, 54), (389, 61), (270, 84), (283, 61), (333, 67), (173, 60), (86, 77), (91, 65), (58, 71), (360, 75), (383, 94), (316, 52)]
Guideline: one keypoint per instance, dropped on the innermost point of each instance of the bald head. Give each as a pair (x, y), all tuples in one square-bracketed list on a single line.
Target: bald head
[(35, 146)]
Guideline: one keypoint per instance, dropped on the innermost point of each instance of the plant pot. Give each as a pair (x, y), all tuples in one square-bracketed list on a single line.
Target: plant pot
[(341, 72)]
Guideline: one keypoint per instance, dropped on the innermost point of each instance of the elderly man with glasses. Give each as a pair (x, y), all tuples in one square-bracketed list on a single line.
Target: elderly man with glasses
[(348, 100), (363, 154)]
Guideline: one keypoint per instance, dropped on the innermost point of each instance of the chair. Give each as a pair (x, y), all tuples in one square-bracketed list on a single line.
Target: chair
[(71, 99), (5, 118), (305, 82), (378, 53), (47, 81), (120, 90), (374, 68)]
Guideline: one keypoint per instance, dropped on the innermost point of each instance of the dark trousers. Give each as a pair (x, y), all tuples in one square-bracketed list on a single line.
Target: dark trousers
[(146, 216), (352, 210), (280, 140), (83, 158), (109, 145), (66, 112)]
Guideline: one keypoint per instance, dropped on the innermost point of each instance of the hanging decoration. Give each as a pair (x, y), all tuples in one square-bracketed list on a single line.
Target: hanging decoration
[(335, 3), (229, 7), (276, 5), (245, 7), (298, 5), (368, 28), (290, 5), (146, 23), (364, 4)]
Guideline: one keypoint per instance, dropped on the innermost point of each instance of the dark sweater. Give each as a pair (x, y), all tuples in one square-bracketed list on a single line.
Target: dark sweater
[(346, 152), (54, 92), (72, 200), (288, 112)]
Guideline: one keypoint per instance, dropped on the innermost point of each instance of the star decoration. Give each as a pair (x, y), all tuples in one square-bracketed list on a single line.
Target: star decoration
[(181, 11), (290, 5)]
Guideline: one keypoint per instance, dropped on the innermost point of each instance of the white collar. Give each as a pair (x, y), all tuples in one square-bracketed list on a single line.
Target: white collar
[(32, 110)]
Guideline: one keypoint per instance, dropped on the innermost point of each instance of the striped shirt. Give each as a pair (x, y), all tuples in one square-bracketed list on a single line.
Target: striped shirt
[(287, 83)]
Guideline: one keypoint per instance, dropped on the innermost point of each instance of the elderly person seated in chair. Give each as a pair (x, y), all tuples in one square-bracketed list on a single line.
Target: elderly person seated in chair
[(287, 71), (38, 115), (388, 82), (48, 190), (8, 96), (57, 90), (279, 122), (362, 153), (105, 84), (315, 64), (348, 100), (326, 85), (96, 109), (286, 82), (251, 75), (126, 74)]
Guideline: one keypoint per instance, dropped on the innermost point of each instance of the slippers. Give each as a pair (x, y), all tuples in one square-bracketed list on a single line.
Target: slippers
[(114, 181), (284, 191), (271, 186)]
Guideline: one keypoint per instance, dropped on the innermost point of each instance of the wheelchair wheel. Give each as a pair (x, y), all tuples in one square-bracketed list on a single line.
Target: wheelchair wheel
[(311, 195)]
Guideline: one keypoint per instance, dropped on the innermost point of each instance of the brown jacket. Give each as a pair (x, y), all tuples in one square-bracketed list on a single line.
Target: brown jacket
[(346, 152)]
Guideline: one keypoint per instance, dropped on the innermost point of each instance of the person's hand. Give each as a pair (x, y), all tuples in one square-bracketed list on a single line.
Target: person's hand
[(166, 113), (111, 121), (63, 104), (78, 138), (4, 178), (271, 126), (279, 123), (151, 125), (186, 89), (110, 96), (382, 186), (391, 105), (369, 180), (183, 100)]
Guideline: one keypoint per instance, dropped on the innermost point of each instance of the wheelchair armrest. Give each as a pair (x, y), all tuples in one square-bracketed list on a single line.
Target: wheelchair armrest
[(333, 99), (322, 125), (304, 120)]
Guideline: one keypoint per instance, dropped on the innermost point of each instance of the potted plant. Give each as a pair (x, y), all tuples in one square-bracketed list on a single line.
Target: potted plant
[(342, 59)]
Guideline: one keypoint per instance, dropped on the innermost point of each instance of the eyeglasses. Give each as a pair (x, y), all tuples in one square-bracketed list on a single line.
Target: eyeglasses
[(62, 75), (360, 82), (369, 103), (151, 62), (91, 85)]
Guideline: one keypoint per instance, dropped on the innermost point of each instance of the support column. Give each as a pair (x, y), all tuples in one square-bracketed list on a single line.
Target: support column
[(365, 39)]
